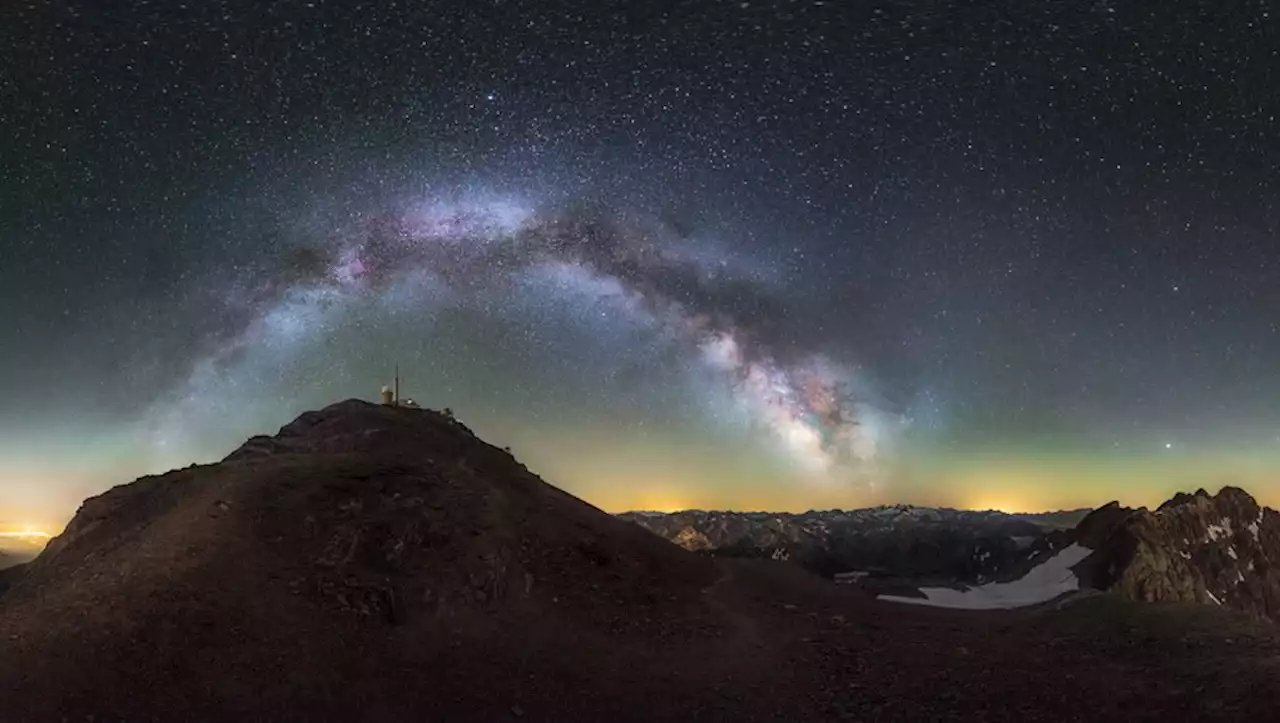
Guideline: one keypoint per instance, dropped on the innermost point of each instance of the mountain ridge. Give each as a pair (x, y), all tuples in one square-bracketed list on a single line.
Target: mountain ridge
[(895, 542), (1217, 549), (1195, 547)]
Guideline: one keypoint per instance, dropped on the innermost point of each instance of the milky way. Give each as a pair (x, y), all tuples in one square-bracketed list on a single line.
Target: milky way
[(468, 251)]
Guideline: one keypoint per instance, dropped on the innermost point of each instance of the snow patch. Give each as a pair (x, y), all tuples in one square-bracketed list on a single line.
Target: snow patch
[(1212, 597), (1231, 551), (1185, 555), (1044, 582), (1219, 531), (1022, 542)]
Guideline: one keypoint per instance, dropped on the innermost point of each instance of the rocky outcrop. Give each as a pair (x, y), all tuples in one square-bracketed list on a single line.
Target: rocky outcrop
[(1215, 549), (691, 539)]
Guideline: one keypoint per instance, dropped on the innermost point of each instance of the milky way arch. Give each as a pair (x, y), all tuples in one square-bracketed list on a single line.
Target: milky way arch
[(728, 320)]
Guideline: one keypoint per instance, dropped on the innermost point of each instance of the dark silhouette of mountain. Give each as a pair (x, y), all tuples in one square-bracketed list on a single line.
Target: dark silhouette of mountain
[(384, 564)]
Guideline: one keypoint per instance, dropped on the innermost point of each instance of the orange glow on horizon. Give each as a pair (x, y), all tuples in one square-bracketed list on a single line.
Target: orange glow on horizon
[(30, 535)]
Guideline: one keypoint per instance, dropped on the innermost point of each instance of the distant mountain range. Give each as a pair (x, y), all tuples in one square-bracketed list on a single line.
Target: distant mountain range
[(1060, 519), (888, 544), (17, 550), (1215, 549)]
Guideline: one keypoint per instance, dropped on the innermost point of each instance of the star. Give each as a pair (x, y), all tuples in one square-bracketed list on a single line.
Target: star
[(561, 231)]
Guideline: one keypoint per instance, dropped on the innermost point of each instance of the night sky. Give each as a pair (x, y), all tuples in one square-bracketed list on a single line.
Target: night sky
[(748, 254)]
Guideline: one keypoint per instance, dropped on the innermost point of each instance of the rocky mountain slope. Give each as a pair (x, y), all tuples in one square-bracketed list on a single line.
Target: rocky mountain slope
[(384, 564), (333, 565), (893, 542), (1219, 549)]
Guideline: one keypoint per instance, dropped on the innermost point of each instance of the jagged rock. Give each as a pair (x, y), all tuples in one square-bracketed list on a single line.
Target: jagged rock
[(1216, 549), (1095, 528), (691, 539)]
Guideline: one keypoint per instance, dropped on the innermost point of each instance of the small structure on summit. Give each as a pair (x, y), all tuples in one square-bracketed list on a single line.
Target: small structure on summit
[(390, 396)]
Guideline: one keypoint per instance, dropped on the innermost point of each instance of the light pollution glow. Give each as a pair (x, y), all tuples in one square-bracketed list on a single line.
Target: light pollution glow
[(661, 478)]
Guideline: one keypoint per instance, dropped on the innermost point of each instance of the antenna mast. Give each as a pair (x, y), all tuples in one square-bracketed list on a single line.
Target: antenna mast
[(397, 385)]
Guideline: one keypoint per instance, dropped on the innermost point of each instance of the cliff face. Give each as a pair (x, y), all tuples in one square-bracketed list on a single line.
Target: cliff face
[(1215, 549)]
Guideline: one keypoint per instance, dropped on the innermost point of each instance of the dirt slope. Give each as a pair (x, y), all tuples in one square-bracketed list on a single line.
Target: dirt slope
[(380, 564)]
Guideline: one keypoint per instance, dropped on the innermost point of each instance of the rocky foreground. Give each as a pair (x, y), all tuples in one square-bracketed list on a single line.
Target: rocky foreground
[(384, 564)]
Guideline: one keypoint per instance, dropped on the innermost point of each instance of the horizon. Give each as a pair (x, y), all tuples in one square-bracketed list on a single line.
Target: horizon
[(30, 528)]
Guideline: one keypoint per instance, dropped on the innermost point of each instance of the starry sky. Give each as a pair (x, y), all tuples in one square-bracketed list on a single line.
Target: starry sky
[(743, 254)]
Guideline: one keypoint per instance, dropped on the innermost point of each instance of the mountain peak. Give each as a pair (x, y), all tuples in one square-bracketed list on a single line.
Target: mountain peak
[(355, 426), (1195, 547), (358, 538)]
